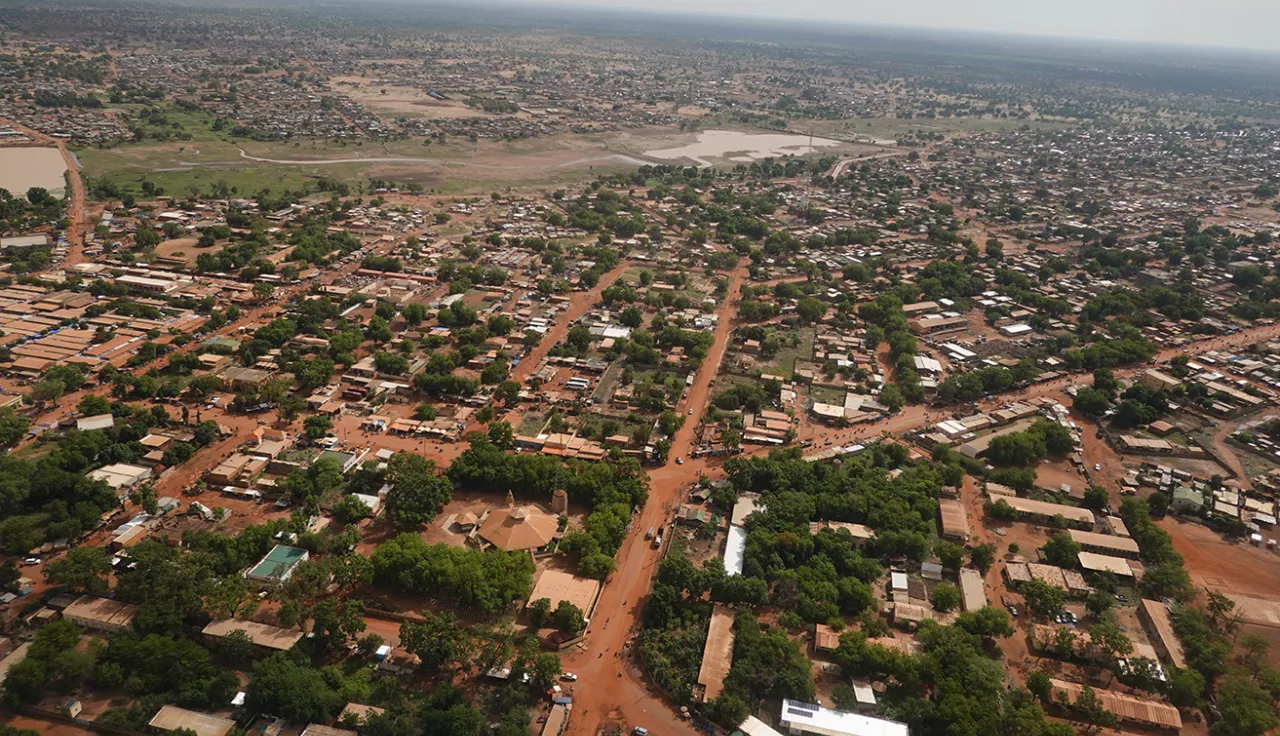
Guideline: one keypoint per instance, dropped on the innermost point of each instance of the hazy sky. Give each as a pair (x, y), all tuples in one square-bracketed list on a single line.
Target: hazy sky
[(1227, 23)]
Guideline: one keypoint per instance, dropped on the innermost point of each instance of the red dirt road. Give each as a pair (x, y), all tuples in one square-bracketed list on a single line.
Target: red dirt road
[(601, 695)]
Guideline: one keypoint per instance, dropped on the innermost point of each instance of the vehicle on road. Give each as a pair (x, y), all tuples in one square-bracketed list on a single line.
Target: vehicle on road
[(680, 460), (31, 561), (569, 677), (1097, 466), (649, 534), (640, 731)]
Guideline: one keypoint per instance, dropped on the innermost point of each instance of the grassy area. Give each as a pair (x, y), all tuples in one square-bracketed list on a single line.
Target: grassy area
[(784, 363), (244, 182), (196, 155), (827, 395)]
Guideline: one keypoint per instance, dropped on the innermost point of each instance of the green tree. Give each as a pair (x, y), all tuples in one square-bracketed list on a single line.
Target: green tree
[(1040, 686), (538, 612), (1061, 550), (1245, 706), (569, 618), (91, 405), (946, 597), (350, 510), (1044, 600), (983, 556), (501, 435), (418, 491), (85, 568), (317, 426)]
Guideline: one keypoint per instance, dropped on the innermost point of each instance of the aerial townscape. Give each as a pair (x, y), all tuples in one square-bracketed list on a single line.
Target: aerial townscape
[(389, 369)]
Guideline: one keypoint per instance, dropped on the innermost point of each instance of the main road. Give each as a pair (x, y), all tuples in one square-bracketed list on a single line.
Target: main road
[(610, 689)]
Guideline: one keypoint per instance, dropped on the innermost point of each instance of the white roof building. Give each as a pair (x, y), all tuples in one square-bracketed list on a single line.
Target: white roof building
[(810, 718), (755, 727), (735, 550)]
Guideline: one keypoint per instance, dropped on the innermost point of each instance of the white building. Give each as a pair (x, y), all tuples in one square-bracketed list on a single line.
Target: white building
[(798, 717)]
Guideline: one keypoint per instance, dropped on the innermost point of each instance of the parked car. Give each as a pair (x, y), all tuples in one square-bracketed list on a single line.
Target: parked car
[(569, 677)]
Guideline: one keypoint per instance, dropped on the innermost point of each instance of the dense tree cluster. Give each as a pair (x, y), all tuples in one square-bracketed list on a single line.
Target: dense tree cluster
[(483, 581)]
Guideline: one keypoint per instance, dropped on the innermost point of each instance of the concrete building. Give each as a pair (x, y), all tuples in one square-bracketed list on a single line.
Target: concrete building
[(798, 717), (972, 589), (1155, 618), (1044, 512), (171, 718), (100, 614), (557, 585), (717, 655), (1106, 544), (275, 638)]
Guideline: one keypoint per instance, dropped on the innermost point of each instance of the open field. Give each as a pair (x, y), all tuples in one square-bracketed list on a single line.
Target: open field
[(402, 100), (1229, 567), (454, 166)]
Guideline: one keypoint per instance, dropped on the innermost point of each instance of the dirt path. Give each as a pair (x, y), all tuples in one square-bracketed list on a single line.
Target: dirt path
[(1227, 454), (77, 209), (610, 689), (602, 158)]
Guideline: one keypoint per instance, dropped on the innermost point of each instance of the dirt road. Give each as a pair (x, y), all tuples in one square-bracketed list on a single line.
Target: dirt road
[(610, 689)]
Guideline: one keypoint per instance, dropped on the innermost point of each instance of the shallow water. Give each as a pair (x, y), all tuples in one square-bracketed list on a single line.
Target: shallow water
[(23, 168), (744, 147)]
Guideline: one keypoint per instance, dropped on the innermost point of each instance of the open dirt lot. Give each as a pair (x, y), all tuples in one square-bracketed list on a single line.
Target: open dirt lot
[(184, 248), (402, 100), (1215, 564)]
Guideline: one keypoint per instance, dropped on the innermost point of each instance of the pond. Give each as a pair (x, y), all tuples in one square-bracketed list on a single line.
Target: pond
[(741, 147), (23, 168)]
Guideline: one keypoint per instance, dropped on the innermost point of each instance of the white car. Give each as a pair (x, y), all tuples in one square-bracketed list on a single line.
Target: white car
[(31, 561), (1097, 466), (680, 461), (569, 677)]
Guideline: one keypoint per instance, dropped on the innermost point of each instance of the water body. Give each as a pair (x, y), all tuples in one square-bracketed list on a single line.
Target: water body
[(23, 168), (742, 147)]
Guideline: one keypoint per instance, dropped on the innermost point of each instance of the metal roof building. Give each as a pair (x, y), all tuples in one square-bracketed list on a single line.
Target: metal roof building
[(810, 718), (1128, 708), (171, 718)]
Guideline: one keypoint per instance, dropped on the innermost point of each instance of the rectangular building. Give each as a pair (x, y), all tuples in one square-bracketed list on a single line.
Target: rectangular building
[(717, 654), (955, 522), (973, 589), (278, 565), (1137, 711), (1044, 512), (264, 635), (1155, 618), (100, 614), (1106, 544), (802, 717), (171, 718), (1094, 562)]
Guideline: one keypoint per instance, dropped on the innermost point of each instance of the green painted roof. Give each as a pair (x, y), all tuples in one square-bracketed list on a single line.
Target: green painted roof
[(278, 562)]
